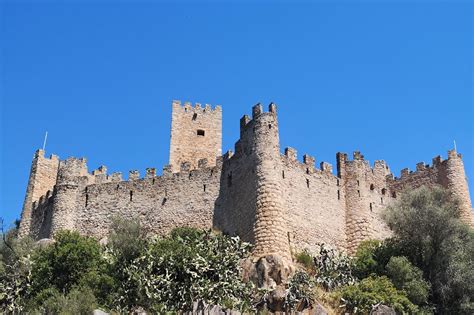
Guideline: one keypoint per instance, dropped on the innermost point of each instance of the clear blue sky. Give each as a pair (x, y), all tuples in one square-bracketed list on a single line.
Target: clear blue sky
[(392, 79)]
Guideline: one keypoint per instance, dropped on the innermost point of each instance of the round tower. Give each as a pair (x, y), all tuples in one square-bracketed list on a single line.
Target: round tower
[(72, 176), (358, 226), (457, 184), (270, 229)]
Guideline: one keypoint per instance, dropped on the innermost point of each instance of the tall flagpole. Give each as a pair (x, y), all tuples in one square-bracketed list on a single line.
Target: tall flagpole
[(45, 138)]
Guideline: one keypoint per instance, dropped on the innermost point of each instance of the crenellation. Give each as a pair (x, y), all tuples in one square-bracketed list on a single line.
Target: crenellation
[(309, 160), (257, 110), (291, 154), (150, 172), (326, 167), (102, 170), (273, 200), (116, 177), (133, 175)]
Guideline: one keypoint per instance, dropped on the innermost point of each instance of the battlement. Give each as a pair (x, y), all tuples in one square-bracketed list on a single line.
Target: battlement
[(421, 167), (40, 154), (187, 107), (257, 110), (309, 162)]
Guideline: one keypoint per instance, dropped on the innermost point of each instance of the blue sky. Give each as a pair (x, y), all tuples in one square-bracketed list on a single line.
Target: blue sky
[(392, 79)]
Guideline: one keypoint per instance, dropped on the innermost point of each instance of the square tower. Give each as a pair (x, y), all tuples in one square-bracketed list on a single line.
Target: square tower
[(196, 133)]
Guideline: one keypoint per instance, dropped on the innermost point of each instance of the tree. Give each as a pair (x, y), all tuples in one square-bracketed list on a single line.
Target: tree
[(63, 264), (426, 223)]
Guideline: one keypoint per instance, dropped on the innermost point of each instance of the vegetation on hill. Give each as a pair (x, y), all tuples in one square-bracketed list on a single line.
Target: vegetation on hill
[(426, 267)]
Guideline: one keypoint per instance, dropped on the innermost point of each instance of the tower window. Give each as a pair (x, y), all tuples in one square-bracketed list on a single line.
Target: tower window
[(307, 183), (195, 116), (372, 187), (200, 132), (384, 191), (394, 195), (338, 195), (370, 206), (283, 174), (131, 195)]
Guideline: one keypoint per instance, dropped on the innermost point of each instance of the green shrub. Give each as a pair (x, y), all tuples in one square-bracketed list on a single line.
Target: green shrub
[(409, 278), (362, 296), (50, 301), (305, 259)]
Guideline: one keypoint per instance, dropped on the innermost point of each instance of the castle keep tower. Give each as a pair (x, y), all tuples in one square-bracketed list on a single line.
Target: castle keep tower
[(196, 134)]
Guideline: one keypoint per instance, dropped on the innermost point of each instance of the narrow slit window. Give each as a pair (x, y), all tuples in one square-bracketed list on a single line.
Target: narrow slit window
[(195, 116), (229, 180), (307, 182), (372, 187), (394, 195), (384, 191), (381, 200), (283, 174), (338, 182), (201, 132), (370, 205), (358, 183), (358, 192), (164, 201), (269, 126), (204, 186), (131, 195), (338, 195), (87, 199)]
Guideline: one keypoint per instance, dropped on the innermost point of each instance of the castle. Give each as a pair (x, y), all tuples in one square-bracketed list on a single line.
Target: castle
[(268, 198)]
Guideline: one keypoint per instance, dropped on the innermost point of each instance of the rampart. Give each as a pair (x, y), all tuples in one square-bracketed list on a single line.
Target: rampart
[(265, 196)]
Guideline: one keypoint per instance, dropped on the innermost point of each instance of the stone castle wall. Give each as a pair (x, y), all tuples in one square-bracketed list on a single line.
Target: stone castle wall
[(270, 199), (314, 201)]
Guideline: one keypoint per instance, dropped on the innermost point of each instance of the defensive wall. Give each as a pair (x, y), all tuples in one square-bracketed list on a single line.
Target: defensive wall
[(265, 196)]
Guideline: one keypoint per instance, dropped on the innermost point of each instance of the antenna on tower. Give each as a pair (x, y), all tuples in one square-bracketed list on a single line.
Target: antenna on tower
[(455, 149), (45, 138)]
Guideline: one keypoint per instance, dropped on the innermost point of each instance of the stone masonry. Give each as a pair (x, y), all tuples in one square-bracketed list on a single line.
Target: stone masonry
[(268, 198)]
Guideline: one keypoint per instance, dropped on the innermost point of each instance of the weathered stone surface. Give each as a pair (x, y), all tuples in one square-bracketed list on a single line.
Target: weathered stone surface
[(270, 199)]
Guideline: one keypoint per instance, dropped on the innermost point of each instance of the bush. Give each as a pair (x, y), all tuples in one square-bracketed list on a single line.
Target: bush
[(409, 278), (305, 259), (15, 272), (333, 269), (63, 264), (299, 294), (187, 266), (361, 297), (50, 301)]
